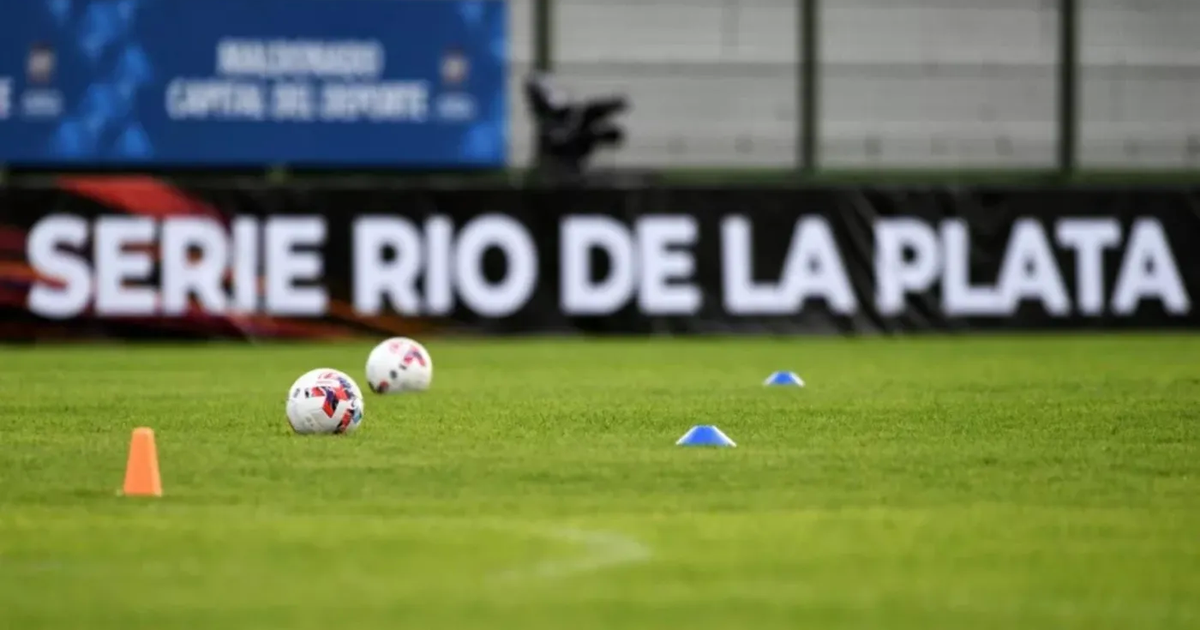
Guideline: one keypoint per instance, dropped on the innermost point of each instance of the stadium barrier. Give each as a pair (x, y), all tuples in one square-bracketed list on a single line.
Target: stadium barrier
[(143, 257), (96, 84)]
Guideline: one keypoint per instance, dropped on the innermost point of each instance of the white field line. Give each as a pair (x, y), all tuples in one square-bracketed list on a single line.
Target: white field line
[(600, 550)]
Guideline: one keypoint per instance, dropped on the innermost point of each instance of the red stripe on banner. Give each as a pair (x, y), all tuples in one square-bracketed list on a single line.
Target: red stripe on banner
[(21, 272), (199, 324), (12, 239), (267, 326), (252, 326), (10, 296), (392, 325), (138, 194)]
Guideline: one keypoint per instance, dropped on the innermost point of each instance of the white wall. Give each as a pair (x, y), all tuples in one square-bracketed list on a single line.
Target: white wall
[(907, 83), (939, 82), (1141, 82)]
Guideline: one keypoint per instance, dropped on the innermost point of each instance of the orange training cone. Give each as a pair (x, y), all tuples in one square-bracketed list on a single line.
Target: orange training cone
[(141, 472)]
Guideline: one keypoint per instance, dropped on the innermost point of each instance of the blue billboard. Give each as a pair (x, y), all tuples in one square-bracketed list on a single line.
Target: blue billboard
[(232, 83)]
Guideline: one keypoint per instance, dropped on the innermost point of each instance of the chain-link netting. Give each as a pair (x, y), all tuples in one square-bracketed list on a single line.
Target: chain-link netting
[(903, 82)]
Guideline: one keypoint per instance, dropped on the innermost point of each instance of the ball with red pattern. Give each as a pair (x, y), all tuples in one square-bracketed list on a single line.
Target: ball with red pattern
[(324, 400), (399, 365)]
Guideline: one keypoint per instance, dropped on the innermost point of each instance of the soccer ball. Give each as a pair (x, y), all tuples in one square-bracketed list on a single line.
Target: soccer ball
[(399, 365), (324, 401)]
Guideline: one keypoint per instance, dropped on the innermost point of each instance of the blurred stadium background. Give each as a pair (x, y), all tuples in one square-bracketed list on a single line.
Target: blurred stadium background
[(861, 191), (902, 84)]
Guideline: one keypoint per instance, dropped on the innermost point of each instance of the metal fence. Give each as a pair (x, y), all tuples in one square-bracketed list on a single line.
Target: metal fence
[(878, 84)]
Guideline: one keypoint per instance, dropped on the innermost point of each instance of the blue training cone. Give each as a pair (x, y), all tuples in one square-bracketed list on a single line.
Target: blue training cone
[(783, 379), (704, 435)]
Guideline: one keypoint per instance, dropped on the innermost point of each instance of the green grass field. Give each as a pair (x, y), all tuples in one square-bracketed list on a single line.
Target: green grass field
[(1026, 482)]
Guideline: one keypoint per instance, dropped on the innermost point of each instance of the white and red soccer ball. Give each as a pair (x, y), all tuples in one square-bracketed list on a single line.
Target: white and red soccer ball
[(324, 401), (399, 365)]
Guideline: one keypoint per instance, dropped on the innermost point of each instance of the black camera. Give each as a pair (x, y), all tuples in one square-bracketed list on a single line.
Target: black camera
[(570, 131)]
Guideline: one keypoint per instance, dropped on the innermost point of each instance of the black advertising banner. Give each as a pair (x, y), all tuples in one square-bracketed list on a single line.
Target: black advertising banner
[(143, 257)]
